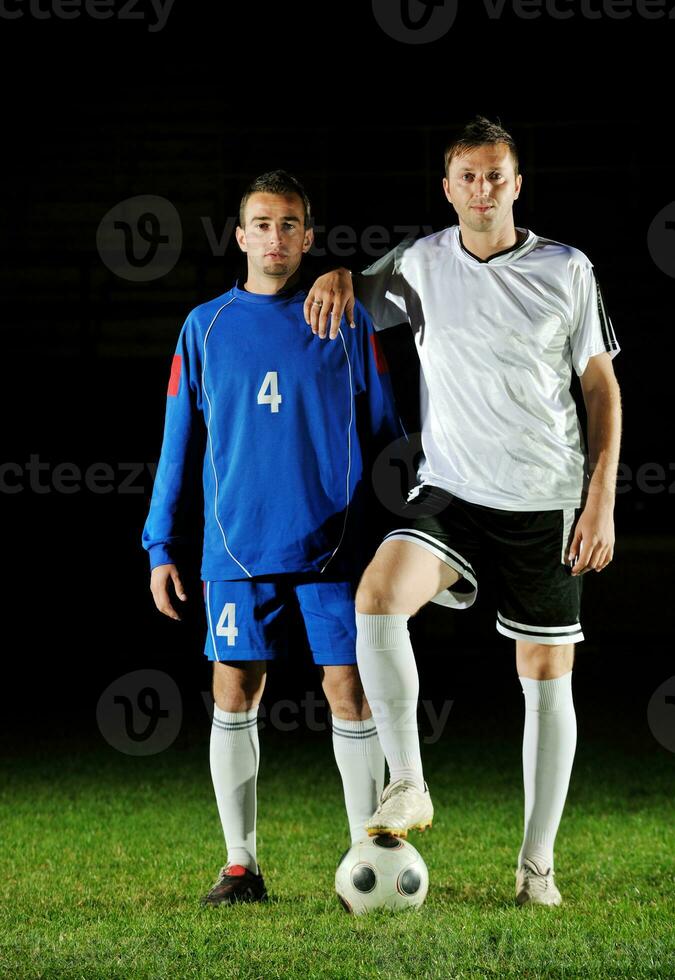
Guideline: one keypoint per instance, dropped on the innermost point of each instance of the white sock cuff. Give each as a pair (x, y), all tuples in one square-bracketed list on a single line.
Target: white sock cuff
[(382, 632), (547, 695), (344, 726), (235, 721), (355, 737)]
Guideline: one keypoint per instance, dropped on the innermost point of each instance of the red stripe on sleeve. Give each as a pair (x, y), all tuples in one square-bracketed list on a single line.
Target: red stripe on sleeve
[(174, 379), (378, 354)]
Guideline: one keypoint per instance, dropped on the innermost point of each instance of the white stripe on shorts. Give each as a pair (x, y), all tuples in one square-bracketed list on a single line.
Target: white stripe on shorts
[(548, 635), (568, 521), (455, 600)]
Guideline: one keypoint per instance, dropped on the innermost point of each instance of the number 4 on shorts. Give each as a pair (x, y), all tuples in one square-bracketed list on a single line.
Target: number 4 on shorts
[(269, 392), (226, 623)]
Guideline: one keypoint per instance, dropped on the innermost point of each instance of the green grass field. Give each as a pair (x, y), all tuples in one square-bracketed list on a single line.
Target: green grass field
[(105, 857)]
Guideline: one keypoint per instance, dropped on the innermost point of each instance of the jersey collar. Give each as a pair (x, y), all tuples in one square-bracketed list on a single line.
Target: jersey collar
[(504, 257), (263, 299)]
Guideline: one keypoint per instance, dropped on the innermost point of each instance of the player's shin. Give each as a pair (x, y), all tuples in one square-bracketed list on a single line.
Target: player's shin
[(549, 743), (389, 676), (234, 759), (360, 760)]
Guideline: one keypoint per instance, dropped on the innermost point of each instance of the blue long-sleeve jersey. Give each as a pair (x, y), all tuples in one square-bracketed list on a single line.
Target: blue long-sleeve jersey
[(280, 428)]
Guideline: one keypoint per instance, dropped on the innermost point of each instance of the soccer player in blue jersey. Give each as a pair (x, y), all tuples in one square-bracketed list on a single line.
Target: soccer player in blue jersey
[(288, 503), (501, 318)]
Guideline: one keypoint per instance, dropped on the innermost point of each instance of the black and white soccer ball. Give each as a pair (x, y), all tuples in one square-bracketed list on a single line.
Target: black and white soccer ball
[(381, 873)]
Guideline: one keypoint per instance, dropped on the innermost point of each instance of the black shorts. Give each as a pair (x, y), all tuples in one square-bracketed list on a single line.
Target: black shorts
[(538, 599)]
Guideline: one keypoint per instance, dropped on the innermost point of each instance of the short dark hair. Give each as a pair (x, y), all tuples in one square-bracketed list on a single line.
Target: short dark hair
[(276, 182), (479, 132)]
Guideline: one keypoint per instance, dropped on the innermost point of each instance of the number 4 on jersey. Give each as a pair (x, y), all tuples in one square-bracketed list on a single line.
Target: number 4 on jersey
[(226, 626), (269, 392)]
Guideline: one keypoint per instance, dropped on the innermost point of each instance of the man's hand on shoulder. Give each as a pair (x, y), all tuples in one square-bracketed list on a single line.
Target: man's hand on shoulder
[(331, 296), (159, 581)]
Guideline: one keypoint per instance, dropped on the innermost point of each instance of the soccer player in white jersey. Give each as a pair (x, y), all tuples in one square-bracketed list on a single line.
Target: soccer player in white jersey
[(501, 318), (250, 416)]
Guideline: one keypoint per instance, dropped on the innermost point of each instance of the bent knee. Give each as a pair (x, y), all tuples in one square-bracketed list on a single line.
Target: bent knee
[(377, 598), (372, 602)]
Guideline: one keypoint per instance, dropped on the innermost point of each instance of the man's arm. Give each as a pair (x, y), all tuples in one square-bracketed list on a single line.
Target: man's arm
[(381, 288), (172, 516), (593, 542)]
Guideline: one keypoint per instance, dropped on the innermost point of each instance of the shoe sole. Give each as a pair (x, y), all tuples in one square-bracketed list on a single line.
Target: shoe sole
[(231, 901), (396, 831), (526, 900)]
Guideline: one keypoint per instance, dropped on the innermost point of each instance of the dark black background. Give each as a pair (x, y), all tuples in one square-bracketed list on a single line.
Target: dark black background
[(96, 112)]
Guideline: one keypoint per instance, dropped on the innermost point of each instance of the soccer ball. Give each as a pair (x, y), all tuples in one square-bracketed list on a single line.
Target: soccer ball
[(382, 872)]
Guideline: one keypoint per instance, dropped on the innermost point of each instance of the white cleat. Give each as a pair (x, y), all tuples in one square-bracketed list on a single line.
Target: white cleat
[(402, 807), (535, 885)]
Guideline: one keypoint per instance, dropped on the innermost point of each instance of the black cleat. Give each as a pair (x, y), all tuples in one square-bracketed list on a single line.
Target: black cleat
[(236, 884)]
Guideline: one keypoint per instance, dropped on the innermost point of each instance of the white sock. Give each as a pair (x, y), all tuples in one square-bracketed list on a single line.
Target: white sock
[(549, 742), (360, 760), (234, 757), (389, 676)]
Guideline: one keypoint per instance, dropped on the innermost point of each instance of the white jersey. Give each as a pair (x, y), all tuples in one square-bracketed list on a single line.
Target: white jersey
[(497, 340)]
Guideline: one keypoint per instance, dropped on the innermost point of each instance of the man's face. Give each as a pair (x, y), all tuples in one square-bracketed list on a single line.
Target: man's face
[(274, 236), (481, 186)]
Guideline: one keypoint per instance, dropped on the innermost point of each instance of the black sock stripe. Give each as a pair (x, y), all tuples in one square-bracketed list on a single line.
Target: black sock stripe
[(234, 726), (343, 733)]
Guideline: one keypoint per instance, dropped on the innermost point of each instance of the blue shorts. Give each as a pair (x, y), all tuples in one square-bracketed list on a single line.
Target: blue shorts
[(248, 619)]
